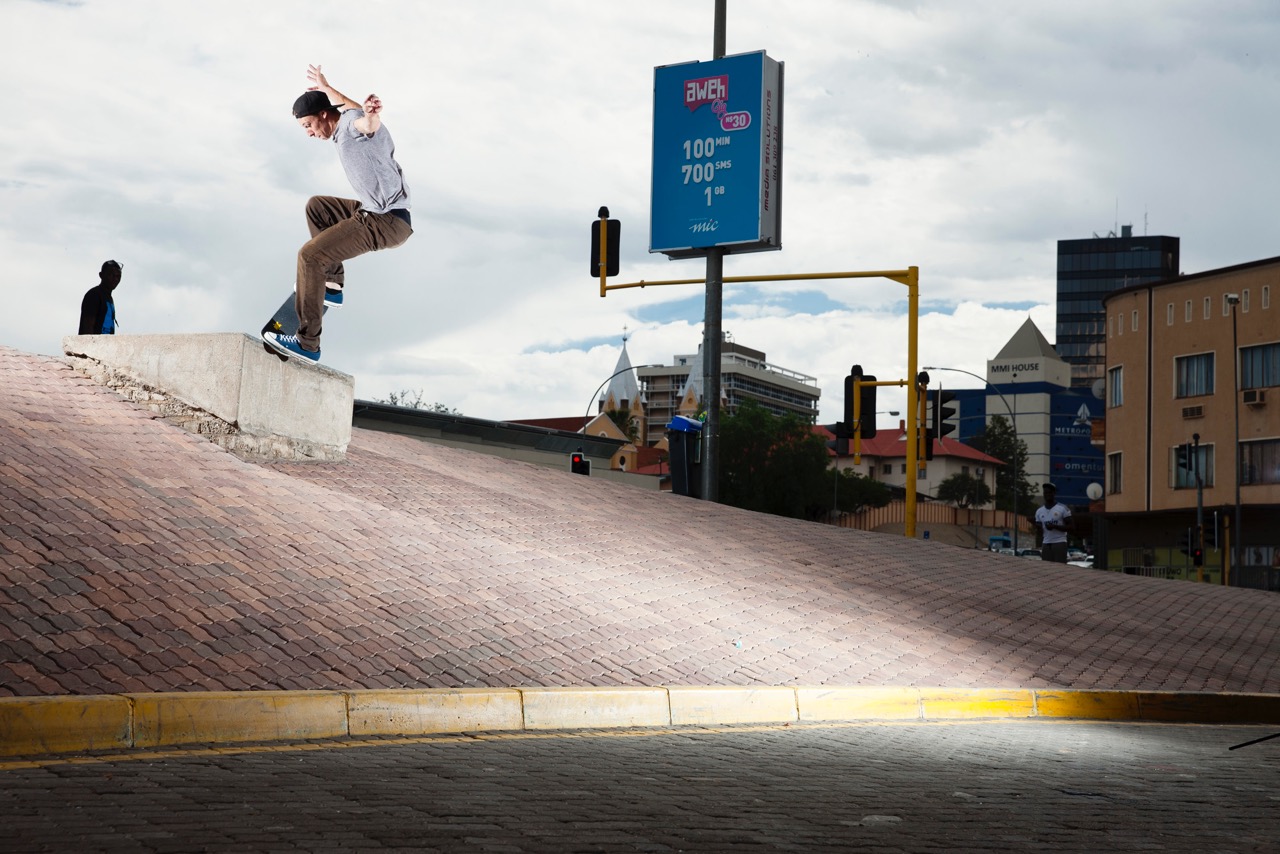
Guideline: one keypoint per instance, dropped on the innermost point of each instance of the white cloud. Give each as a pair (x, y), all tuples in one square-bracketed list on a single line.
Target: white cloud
[(964, 139)]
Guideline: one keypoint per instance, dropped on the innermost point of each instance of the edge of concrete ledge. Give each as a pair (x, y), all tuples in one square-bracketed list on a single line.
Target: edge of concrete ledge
[(33, 726)]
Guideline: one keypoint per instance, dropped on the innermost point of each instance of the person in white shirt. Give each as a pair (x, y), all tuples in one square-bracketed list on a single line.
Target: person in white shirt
[(1055, 523)]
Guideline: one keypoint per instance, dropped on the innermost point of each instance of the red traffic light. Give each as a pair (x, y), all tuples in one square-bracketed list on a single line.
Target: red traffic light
[(579, 464)]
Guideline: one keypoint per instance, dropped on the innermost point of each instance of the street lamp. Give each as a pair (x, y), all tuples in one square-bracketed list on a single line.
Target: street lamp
[(1013, 415), (1237, 538)]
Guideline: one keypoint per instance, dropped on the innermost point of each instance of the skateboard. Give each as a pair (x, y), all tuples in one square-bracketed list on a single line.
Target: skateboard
[(283, 322)]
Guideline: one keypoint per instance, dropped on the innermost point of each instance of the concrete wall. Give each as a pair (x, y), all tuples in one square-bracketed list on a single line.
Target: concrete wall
[(232, 377)]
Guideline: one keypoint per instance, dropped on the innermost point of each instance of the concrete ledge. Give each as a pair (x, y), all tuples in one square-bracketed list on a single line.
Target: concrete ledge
[(31, 726), (272, 405)]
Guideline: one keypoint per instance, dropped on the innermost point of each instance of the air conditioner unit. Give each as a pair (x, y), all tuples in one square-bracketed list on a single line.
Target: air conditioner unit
[(1193, 412), (1254, 397)]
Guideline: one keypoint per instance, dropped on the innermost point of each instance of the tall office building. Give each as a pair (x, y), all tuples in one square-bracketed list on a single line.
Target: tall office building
[(744, 374), (1089, 270)]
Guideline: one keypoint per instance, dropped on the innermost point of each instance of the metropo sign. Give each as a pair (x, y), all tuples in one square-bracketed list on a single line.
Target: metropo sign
[(717, 156)]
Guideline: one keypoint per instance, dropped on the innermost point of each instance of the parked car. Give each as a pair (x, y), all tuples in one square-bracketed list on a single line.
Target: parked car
[(1034, 554), (1077, 554)]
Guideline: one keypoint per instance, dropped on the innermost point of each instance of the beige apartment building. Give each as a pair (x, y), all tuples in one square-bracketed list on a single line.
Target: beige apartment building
[(1195, 356)]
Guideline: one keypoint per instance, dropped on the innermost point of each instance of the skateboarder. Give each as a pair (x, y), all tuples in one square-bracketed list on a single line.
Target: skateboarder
[(378, 218), (98, 309)]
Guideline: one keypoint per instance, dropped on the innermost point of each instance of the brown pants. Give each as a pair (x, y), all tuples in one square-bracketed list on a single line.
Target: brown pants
[(340, 230)]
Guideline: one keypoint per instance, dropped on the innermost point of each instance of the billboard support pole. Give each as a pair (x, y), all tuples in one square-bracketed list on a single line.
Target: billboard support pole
[(711, 323)]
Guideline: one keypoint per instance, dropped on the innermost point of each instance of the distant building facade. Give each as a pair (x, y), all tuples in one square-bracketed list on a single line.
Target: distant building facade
[(745, 374), (1089, 270), (1029, 385), (1174, 373)]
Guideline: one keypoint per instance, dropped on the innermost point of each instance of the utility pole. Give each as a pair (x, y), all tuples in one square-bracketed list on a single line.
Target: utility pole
[(712, 336)]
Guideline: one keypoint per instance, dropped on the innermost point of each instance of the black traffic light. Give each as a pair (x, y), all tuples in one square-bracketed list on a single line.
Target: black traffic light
[(612, 243), (866, 407), (940, 412), (1185, 459), (579, 464), (1191, 546), (1185, 542)]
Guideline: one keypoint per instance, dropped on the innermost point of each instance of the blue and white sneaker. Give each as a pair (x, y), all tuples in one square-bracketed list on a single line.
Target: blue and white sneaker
[(333, 297), (287, 345)]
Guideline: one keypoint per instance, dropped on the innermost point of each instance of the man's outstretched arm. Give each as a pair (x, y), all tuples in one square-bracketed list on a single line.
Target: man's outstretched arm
[(318, 82)]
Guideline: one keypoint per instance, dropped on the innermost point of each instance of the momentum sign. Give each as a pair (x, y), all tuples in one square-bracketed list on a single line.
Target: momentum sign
[(717, 156)]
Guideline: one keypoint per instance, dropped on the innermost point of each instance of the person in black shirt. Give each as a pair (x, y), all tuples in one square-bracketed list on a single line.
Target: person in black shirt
[(98, 309)]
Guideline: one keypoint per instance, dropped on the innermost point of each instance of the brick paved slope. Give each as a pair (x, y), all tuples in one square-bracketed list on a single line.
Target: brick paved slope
[(137, 557)]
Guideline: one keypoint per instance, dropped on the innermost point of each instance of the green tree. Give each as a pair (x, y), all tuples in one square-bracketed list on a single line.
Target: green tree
[(773, 464), (856, 492), (624, 422), (964, 490), (998, 440), (413, 400)]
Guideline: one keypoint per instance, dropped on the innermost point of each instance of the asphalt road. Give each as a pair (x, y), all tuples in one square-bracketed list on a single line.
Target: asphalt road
[(986, 786)]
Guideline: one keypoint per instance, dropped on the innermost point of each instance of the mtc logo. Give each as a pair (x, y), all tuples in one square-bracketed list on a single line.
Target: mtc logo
[(705, 90)]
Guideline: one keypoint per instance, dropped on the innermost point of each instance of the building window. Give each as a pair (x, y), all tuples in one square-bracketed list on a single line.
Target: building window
[(1194, 375), (1135, 320), (1202, 460), (1260, 366), (1208, 308), (1120, 324), (1244, 300), (904, 468), (1111, 326), (1114, 469), (1260, 462), (1168, 315), (1115, 386), (1188, 312), (1226, 306), (888, 468), (1266, 296)]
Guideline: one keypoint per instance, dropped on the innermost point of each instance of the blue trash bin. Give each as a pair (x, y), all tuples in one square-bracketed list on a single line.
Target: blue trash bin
[(684, 441)]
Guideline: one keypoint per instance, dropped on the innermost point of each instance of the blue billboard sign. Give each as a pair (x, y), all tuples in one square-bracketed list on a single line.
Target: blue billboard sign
[(717, 156)]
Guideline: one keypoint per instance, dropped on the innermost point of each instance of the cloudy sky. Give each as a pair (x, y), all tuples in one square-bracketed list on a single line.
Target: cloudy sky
[(963, 138)]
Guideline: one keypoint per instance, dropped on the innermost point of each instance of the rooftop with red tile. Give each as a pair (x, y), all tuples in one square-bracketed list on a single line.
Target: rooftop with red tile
[(137, 557)]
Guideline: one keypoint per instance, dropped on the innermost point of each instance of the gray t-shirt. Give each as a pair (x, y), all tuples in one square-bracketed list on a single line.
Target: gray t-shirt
[(370, 164)]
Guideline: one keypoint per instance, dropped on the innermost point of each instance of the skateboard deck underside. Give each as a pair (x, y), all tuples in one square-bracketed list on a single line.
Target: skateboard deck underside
[(284, 322)]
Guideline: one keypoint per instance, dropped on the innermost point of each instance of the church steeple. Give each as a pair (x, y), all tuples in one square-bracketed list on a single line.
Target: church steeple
[(623, 392)]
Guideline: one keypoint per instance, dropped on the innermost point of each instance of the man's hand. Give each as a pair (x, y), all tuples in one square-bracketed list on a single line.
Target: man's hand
[(316, 78), (369, 123)]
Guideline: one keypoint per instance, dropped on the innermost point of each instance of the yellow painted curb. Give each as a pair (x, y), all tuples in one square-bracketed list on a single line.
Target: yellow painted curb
[(968, 703), (433, 710), (1088, 705), (1208, 708), (574, 708), (853, 704), (32, 725), (732, 705), (232, 716)]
